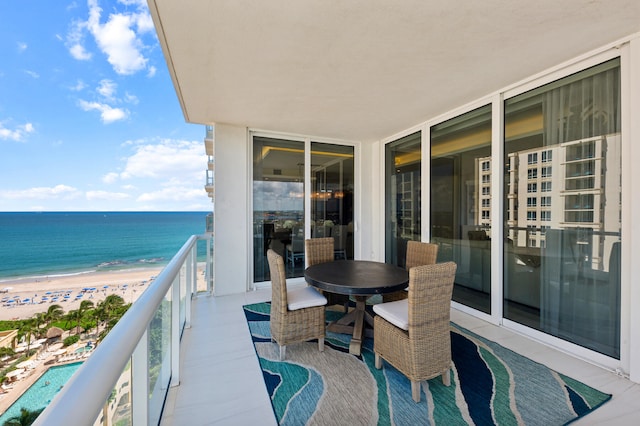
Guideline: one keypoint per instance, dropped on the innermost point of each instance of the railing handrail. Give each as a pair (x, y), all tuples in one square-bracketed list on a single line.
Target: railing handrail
[(84, 395)]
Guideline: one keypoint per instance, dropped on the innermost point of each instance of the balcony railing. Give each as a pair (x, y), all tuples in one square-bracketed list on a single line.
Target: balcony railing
[(126, 379)]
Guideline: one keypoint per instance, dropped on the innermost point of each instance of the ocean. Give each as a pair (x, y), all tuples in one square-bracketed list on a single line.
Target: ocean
[(62, 243)]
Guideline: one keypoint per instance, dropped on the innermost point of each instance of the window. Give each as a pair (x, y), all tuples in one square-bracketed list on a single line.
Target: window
[(532, 158), (403, 197), (577, 121), (532, 187), (532, 201), (459, 180)]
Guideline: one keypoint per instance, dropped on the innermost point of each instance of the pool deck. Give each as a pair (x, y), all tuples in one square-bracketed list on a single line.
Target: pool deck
[(42, 364)]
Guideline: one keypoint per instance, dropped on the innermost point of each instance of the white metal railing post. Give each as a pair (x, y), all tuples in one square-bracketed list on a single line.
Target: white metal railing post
[(209, 266), (192, 286), (140, 381), (175, 325)]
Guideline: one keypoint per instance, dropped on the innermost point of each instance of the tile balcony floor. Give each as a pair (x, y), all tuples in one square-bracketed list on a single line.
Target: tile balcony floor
[(221, 382)]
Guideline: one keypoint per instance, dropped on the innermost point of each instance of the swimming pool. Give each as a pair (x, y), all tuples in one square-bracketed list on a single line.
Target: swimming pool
[(40, 394)]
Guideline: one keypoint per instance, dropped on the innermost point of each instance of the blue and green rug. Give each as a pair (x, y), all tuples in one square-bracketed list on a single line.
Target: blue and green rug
[(489, 385)]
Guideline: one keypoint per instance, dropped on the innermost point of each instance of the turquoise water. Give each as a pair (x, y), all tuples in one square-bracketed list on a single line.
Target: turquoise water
[(40, 394), (58, 243)]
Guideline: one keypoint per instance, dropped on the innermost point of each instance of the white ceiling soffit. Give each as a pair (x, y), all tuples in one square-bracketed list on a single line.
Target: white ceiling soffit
[(367, 69)]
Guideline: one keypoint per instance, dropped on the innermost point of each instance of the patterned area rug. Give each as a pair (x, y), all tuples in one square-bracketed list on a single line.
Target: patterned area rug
[(489, 384)]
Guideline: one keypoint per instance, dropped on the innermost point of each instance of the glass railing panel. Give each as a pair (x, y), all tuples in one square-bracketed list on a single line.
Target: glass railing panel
[(118, 408), (159, 333)]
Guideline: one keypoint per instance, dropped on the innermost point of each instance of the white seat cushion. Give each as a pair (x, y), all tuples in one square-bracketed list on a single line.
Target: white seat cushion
[(397, 312), (304, 297)]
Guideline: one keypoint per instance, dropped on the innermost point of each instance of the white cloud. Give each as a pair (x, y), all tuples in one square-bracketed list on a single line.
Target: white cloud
[(80, 85), (117, 39), (17, 134), (105, 195), (107, 89), (108, 114), (110, 177), (58, 191), (168, 158), (33, 74), (22, 46), (79, 52), (152, 71), (131, 99), (173, 193)]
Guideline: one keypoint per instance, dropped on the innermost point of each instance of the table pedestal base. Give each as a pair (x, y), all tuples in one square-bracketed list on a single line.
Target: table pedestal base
[(354, 323)]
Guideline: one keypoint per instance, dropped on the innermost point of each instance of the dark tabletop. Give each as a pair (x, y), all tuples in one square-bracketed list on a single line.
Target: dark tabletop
[(357, 277)]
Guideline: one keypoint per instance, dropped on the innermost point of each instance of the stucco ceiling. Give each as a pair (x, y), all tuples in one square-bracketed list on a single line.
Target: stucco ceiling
[(367, 69)]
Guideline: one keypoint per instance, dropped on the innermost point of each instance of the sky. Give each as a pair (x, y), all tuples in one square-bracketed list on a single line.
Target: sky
[(89, 118)]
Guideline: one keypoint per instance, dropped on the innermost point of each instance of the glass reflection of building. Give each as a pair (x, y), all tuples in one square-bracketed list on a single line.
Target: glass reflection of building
[(562, 207)]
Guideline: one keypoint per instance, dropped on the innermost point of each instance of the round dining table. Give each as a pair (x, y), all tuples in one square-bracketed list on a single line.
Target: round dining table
[(360, 279)]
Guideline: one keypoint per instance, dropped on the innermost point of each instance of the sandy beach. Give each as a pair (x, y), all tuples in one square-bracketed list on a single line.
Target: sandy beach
[(128, 284)]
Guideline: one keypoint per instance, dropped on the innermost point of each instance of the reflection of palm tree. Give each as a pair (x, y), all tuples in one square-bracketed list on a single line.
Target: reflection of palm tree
[(25, 418)]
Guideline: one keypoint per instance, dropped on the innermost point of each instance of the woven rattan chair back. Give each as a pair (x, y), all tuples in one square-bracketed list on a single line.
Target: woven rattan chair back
[(419, 253), (319, 250), (288, 326), (424, 351)]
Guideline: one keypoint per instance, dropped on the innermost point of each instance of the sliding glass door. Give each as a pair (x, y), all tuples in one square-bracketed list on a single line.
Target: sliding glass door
[(563, 208), (332, 188), (403, 196), (278, 203), (279, 215), (461, 203)]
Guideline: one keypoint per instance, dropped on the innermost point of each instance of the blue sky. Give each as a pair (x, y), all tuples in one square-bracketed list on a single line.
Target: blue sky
[(89, 119)]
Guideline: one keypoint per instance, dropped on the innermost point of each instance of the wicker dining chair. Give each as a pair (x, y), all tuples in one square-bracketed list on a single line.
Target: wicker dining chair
[(413, 335), (321, 250), (418, 253), (297, 315)]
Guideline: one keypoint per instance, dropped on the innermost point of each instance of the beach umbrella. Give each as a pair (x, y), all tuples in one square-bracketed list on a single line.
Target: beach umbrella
[(48, 292), (54, 332)]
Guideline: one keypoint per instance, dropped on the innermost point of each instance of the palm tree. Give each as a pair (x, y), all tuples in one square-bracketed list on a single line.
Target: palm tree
[(85, 305), (54, 313), (39, 319), (27, 329), (25, 418), (108, 308)]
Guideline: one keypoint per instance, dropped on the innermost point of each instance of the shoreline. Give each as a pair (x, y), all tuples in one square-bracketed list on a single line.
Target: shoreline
[(70, 289)]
